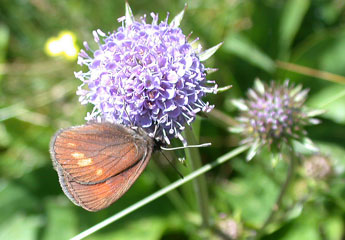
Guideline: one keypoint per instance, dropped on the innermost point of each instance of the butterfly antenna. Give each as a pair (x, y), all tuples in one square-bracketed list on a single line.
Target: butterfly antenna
[(188, 146), (178, 172)]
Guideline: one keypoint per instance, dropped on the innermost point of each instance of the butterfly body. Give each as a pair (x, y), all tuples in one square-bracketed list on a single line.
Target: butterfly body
[(98, 162)]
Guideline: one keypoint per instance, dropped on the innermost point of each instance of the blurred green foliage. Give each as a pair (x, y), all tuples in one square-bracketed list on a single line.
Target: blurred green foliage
[(37, 97)]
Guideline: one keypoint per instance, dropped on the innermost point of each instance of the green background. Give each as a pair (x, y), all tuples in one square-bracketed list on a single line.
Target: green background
[(37, 97)]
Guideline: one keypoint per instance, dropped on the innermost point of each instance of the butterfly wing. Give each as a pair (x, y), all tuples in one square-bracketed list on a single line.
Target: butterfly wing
[(91, 153), (113, 168), (94, 197)]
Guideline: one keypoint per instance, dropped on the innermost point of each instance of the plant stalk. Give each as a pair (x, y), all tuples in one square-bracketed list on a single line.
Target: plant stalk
[(283, 190), (311, 72), (199, 183), (161, 192)]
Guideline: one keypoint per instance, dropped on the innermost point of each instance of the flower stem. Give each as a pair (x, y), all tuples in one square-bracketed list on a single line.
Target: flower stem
[(200, 182), (161, 192), (311, 72), (283, 190), (174, 196)]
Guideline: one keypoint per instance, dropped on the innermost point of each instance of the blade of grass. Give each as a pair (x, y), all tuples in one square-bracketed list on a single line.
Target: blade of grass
[(242, 47), (291, 20), (333, 99), (311, 72), (39, 100), (161, 192)]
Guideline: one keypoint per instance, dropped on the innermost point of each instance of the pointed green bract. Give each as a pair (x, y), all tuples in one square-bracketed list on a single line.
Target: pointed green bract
[(178, 18), (296, 90), (316, 112), (253, 150), (209, 52), (259, 86), (211, 70), (301, 96), (275, 159), (240, 104), (223, 89), (308, 144), (129, 15), (236, 129)]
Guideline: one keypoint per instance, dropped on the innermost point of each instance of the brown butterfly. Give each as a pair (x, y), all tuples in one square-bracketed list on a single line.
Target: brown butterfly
[(98, 162)]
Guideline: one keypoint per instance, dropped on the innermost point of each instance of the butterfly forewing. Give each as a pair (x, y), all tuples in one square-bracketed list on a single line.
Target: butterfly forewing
[(94, 152), (98, 162)]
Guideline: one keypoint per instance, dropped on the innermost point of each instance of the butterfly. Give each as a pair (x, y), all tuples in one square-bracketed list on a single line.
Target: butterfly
[(98, 162)]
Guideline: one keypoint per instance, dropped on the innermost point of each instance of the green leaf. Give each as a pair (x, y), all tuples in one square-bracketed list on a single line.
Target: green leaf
[(252, 192), (21, 227), (324, 51), (332, 52), (148, 228), (60, 216), (4, 39), (14, 198), (306, 226), (292, 17), (5, 138), (242, 47), (331, 99), (334, 227)]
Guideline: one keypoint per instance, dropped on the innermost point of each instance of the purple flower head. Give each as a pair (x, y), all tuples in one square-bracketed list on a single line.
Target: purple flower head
[(146, 75), (273, 114)]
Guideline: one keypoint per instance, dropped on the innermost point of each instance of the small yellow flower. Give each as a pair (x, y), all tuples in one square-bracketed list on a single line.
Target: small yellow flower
[(63, 45)]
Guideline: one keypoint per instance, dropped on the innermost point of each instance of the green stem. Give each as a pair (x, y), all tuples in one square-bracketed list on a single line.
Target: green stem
[(174, 196), (161, 192), (283, 191), (221, 119), (311, 72), (199, 183)]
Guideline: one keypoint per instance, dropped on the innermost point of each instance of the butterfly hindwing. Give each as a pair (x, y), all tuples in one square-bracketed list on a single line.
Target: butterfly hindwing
[(98, 162), (94, 152)]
